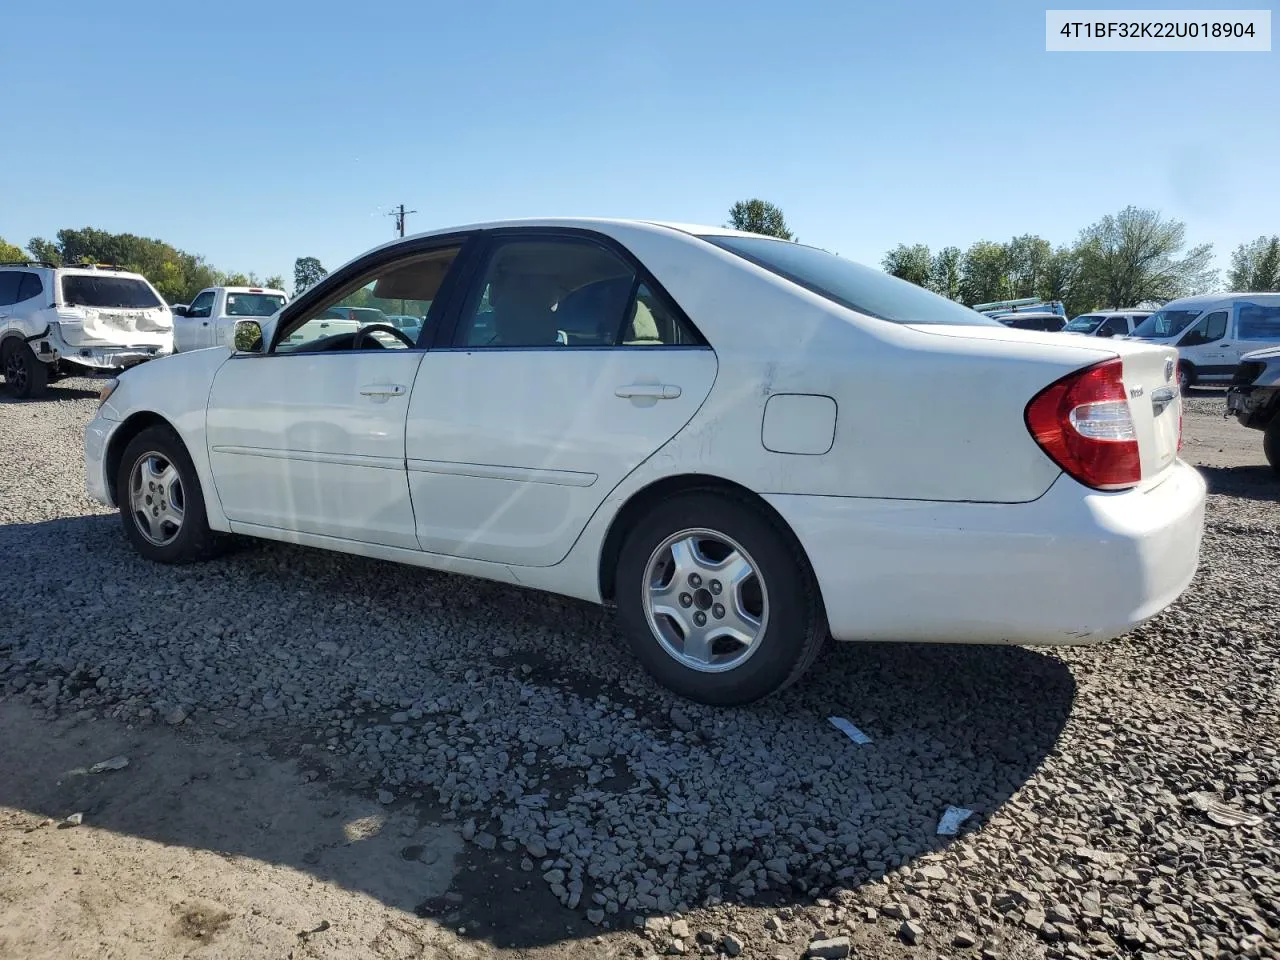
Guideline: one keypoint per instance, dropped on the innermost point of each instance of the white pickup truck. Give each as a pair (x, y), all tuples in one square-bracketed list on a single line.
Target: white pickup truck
[(210, 319)]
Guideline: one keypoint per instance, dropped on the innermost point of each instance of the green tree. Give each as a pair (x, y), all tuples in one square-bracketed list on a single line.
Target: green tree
[(42, 249), (1058, 281), (759, 216), (944, 276), (10, 252), (1136, 255), (275, 282), (307, 272), (1255, 266), (984, 273), (1028, 259), (912, 263)]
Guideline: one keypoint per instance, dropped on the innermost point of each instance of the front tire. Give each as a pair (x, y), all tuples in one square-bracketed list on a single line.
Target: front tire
[(1271, 443), (161, 503), (717, 602), (24, 373)]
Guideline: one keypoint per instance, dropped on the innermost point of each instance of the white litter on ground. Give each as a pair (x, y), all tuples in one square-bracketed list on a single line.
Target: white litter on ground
[(952, 817), (844, 726)]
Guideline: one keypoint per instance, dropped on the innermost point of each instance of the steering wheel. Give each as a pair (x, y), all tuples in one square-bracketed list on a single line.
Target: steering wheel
[(383, 328)]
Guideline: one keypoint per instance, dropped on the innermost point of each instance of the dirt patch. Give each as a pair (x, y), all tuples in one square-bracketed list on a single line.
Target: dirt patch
[(200, 921)]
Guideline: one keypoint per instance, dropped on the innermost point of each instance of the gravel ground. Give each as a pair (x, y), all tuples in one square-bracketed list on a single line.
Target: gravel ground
[(1124, 796)]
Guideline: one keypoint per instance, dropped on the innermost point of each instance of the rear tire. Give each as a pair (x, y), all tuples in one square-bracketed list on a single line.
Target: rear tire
[(1271, 443), (161, 503), (24, 374), (718, 558)]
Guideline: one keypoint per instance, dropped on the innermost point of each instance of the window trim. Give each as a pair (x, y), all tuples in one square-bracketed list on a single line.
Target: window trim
[(368, 265), (471, 292)]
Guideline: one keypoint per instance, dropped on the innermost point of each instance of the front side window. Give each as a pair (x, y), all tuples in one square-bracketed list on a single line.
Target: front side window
[(127, 293), (201, 306), (1212, 327), (1258, 321), (1117, 326), (1165, 323), (850, 284), (565, 292), (405, 286), (253, 304)]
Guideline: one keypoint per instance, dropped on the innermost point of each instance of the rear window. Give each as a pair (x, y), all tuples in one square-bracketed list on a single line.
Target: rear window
[(851, 284), (1166, 323), (90, 291), (1085, 324), (253, 304)]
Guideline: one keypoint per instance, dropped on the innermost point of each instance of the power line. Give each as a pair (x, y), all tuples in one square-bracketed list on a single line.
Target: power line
[(400, 213)]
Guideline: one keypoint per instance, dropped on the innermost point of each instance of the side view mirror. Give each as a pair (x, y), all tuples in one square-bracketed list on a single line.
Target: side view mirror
[(179, 310), (248, 336)]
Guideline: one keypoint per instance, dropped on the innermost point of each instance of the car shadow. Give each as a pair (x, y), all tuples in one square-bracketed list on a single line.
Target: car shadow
[(1249, 482), (54, 391), (948, 725)]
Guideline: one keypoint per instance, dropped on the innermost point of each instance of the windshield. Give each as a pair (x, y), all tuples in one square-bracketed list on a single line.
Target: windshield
[(1165, 323), (1085, 324), (851, 284), (92, 291), (253, 304)]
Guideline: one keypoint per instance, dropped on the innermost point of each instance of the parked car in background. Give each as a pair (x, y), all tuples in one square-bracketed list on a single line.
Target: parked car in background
[(56, 321), (1051, 322), (209, 320), (697, 447), (999, 309), (1107, 323), (1254, 398), (411, 326), (1212, 332)]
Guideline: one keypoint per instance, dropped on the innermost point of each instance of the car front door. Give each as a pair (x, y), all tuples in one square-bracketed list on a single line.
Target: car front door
[(309, 436), (1203, 345), (195, 330), (563, 368)]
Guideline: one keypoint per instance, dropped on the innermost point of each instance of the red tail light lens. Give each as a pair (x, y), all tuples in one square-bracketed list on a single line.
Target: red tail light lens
[(1083, 423)]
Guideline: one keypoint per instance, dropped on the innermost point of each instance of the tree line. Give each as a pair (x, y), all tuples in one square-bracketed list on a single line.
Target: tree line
[(1125, 259), (176, 274)]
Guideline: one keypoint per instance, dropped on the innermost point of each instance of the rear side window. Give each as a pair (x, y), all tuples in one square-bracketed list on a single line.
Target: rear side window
[(1119, 326), (850, 284), (80, 290), (1259, 321), (9, 281), (29, 286)]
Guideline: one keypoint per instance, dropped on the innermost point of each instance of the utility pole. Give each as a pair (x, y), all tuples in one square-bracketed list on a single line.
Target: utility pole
[(400, 213)]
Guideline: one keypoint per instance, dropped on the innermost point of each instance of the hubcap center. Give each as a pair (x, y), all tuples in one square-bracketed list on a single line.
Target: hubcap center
[(702, 598)]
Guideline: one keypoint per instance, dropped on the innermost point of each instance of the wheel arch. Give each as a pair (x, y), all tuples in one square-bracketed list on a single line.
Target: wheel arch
[(647, 496), (133, 425)]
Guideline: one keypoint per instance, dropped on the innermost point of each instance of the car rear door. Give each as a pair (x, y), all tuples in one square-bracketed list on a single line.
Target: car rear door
[(562, 369)]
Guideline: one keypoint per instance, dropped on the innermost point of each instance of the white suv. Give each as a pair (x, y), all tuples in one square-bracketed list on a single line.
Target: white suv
[(57, 321)]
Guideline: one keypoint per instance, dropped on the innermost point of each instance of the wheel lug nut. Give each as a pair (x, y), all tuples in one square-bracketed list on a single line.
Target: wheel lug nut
[(718, 611), (715, 587), (695, 580), (686, 600), (700, 618)]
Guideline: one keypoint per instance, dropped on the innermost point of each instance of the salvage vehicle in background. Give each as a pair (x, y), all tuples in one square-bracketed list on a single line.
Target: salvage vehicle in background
[(210, 319), (56, 321), (1212, 332), (686, 422), (1254, 398)]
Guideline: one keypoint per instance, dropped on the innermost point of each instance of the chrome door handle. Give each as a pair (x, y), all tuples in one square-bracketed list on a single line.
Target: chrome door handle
[(383, 390), (650, 391)]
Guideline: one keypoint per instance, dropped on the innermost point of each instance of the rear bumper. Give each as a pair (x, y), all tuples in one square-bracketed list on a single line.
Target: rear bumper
[(1254, 407), (1074, 566), (100, 356)]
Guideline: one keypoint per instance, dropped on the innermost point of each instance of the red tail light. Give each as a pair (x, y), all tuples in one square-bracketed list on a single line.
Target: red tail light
[(1083, 423)]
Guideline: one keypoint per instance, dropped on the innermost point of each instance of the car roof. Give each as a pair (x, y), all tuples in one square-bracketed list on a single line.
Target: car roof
[(1206, 299)]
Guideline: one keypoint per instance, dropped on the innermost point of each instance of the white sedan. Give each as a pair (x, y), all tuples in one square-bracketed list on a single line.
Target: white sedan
[(746, 444)]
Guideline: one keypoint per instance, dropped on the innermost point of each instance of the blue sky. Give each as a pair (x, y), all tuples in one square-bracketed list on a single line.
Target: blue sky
[(255, 133)]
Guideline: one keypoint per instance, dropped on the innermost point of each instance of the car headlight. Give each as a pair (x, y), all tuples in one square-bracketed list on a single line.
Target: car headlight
[(107, 390)]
